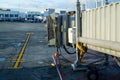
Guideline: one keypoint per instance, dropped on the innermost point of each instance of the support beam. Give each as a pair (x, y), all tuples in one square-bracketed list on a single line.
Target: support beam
[(78, 11), (111, 45)]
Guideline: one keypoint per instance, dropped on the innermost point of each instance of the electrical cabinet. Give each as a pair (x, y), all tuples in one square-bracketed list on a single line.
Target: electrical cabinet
[(72, 35)]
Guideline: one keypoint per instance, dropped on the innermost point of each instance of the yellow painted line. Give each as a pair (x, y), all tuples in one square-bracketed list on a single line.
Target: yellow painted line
[(29, 33), (15, 61), (21, 52)]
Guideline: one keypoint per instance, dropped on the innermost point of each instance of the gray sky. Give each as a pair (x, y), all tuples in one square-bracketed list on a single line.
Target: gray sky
[(41, 5), (38, 5)]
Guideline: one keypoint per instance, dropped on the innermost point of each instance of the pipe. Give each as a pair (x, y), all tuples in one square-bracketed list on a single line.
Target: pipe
[(58, 70), (78, 21), (112, 45), (78, 32)]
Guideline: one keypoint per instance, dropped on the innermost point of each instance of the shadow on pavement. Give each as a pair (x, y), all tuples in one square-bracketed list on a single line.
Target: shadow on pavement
[(36, 73)]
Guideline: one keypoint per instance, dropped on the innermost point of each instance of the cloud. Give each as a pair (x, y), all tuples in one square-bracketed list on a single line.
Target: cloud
[(38, 4)]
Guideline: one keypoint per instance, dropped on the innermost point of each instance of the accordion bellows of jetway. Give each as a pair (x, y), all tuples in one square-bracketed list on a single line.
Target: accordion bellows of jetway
[(100, 29)]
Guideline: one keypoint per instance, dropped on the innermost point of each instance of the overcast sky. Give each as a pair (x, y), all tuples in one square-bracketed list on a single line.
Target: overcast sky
[(41, 5), (38, 5)]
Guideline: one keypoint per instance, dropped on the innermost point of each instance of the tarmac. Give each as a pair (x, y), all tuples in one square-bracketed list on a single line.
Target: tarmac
[(36, 59), (33, 56)]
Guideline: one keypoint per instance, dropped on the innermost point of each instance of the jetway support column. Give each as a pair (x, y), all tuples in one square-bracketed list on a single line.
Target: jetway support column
[(77, 64)]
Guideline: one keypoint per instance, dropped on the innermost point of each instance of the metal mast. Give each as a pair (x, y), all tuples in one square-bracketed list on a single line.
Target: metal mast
[(78, 34), (78, 11)]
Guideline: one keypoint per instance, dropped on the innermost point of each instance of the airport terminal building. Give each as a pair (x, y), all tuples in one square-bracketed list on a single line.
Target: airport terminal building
[(9, 15)]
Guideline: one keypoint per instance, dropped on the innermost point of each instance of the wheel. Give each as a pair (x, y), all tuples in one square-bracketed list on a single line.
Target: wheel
[(117, 60), (93, 75)]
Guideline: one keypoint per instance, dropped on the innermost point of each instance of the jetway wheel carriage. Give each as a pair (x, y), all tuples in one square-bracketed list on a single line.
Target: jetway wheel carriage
[(117, 60)]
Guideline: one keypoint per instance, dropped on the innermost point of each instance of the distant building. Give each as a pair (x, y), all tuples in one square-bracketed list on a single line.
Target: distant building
[(101, 3), (49, 11), (62, 12), (22, 16), (30, 16), (8, 15), (83, 7), (98, 3), (104, 2), (33, 16)]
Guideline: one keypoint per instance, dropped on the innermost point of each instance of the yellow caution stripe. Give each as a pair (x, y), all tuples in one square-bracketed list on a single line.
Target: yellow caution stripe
[(21, 52), (81, 48)]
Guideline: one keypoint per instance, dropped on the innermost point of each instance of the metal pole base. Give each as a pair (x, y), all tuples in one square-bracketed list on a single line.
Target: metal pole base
[(81, 67)]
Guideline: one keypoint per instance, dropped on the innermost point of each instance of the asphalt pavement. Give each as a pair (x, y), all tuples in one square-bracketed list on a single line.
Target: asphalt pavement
[(35, 61), (25, 55)]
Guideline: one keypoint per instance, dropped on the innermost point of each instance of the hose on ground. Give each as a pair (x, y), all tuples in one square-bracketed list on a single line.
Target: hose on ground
[(68, 51)]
